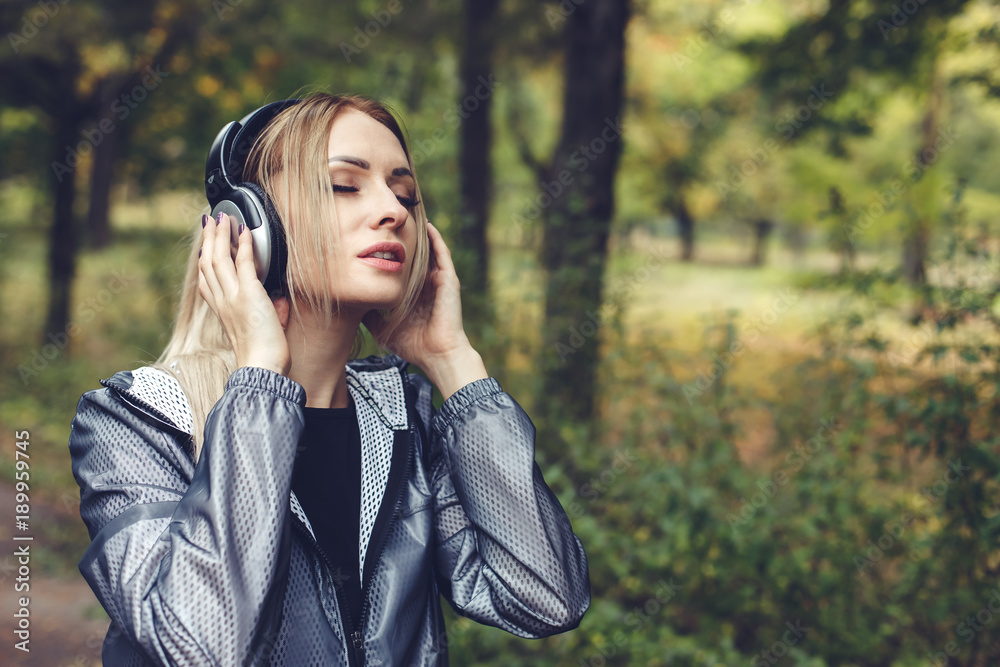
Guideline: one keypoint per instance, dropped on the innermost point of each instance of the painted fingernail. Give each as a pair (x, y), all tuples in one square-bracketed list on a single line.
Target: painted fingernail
[(204, 220), (199, 252), (220, 217), (240, 231)]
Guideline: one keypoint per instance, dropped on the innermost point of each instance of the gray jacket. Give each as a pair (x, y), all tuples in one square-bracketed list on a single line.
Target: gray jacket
[(215, 563)]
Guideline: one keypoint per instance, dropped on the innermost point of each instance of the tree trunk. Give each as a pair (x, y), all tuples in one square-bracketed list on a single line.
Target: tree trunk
[(761, 233), (62, 235), (843, 242), (475, 170), (915, 253), (685, 228), (577, 220), (101, 179), (917, 240)]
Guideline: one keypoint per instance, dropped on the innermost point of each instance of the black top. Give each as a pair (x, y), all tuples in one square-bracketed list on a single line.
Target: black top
[(327, 482)]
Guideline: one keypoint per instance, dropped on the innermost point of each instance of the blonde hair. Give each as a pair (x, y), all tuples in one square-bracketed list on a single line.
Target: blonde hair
[(289, 161)]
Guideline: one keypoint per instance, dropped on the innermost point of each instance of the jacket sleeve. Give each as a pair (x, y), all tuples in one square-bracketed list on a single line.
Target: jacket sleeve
[(506, 554), (189, 561)]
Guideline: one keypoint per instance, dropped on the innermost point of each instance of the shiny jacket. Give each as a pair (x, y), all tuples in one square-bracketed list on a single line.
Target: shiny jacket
[(215, 563)]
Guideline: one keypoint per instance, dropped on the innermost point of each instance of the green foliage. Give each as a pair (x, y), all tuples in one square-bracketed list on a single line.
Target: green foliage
[(866, 513), (709, 523), (851, 488)]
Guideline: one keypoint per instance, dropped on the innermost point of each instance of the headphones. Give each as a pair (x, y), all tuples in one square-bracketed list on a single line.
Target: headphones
[(247, 202)]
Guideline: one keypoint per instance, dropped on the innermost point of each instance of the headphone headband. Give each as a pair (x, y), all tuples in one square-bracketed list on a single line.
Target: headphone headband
[(228, 155), (228, 192)]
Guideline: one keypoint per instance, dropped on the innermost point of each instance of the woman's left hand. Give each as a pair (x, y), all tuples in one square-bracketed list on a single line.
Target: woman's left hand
[(433, 336)]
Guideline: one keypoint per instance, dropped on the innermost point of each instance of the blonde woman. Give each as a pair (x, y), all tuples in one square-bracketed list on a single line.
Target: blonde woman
[(259, 496)]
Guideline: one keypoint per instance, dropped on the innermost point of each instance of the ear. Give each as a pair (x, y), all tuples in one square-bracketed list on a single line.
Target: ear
[(281, 307)]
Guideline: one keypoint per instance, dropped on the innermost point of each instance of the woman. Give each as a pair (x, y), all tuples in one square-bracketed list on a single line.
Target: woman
[(257, 497)]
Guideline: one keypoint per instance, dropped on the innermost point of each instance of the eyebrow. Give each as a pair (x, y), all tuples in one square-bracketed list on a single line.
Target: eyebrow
[(398, 171)]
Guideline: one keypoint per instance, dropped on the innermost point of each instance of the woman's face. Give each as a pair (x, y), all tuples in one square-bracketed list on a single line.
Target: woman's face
[(374, 193)]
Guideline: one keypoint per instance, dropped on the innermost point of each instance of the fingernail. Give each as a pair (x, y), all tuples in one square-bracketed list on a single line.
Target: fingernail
[(199, 249), (204, 220), (220, 217), (240, 231)]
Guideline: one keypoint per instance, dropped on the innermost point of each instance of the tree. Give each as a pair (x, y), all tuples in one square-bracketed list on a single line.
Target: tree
[(845, 48), (60, 65), (576, 224), (474, 161)]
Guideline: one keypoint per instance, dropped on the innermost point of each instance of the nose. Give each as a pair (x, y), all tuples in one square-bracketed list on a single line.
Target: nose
[(391, 213)]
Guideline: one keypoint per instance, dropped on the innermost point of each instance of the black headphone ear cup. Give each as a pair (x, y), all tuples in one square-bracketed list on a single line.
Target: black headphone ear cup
[(274, 283)]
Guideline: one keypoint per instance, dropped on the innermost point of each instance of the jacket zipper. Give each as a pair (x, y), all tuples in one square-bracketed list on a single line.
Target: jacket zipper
[(353, 633), (150, 411), (366, 590), (355, 652), (355, 643)]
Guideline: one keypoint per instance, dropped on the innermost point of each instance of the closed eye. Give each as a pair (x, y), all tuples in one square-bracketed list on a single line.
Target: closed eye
[(408, 202)]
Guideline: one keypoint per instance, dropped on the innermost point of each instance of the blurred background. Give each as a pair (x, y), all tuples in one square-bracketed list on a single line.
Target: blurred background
[(737, 258)]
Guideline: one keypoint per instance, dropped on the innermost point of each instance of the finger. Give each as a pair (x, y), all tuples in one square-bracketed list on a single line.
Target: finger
[(206, 292), (222, 257), (444, 275), (246, 272), (440, 249), (205, 260)]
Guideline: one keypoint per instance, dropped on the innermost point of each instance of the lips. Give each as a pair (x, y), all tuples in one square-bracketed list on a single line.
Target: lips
[(387, 255)]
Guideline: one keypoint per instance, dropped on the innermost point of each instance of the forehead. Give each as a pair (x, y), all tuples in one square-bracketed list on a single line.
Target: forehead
[(357, 134)]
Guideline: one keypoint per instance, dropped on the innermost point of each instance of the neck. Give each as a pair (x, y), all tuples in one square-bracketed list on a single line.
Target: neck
[(319, 355)]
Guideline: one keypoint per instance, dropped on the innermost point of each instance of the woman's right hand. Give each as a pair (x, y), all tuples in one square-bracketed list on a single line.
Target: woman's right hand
[(232, 290)]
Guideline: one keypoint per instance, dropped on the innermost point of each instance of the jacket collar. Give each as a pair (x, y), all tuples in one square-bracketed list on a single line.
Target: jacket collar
[(379, 382), (376, 380)]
